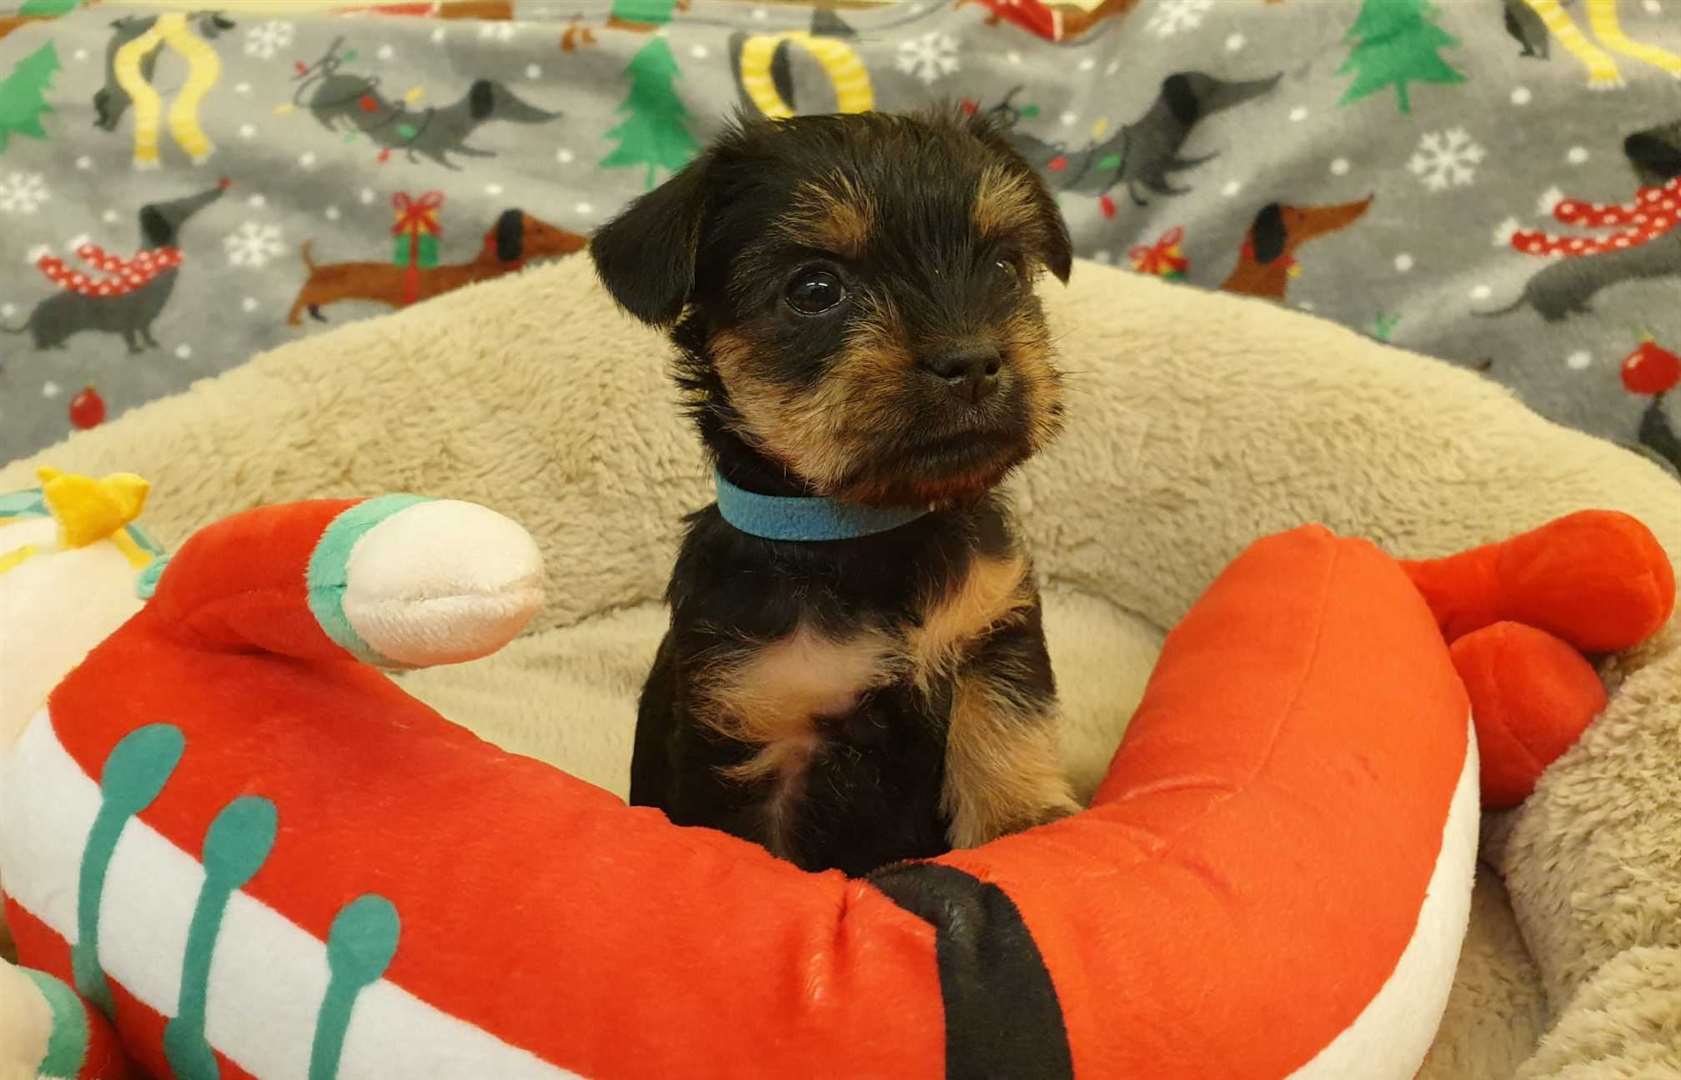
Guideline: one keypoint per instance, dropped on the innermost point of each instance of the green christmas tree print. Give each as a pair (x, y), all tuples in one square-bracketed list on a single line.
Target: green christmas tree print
[(23, 95), (653, 133), (47, 9), (1396, 42)]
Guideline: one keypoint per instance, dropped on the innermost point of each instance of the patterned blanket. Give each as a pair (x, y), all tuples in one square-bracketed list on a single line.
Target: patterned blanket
[(1494, 182)]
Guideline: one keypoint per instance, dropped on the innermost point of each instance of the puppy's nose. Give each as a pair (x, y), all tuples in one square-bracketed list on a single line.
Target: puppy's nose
[(970, 371)]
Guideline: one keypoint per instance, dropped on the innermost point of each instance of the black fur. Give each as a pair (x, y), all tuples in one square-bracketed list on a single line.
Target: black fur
[(872, 796), (666, 221), (1268, 233), (703, 252)]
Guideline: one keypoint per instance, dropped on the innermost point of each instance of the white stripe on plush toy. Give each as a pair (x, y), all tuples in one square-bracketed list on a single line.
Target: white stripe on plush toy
[(268, 976)]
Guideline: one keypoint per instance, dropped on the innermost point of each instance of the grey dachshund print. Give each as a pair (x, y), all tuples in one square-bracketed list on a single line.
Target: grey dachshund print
[(350, 102), (128, 301)]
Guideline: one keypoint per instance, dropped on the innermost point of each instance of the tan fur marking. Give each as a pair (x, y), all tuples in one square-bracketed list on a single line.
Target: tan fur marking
[(834, 216), (1003, 772), (1029, 344), (770, 696), (1004, 202), (989, 595), (819, 433)]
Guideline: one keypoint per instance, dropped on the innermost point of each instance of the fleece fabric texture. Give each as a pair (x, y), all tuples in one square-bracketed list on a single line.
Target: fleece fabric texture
[(533, 396)]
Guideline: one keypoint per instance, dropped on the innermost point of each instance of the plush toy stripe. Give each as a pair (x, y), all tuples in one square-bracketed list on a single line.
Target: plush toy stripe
[(79, 1044), (68, 1048), (25, 503), (1002, 1015), (147, 915), (329, 571)]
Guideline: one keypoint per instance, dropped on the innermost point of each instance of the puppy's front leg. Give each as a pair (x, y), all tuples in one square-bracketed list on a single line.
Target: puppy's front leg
[(1003, 767)]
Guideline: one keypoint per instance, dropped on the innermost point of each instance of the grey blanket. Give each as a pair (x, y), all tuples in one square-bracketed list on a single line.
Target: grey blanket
[(1489, 181)]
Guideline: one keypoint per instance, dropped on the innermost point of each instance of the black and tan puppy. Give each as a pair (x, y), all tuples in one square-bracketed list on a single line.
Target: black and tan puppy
[(855, 671)]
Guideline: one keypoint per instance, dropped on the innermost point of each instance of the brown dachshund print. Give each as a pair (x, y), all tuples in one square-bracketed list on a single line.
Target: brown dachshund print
[(1268, 258), (514, 240)]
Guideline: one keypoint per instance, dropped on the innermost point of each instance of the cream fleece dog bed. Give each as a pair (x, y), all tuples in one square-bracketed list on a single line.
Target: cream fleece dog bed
[(1198, 422)]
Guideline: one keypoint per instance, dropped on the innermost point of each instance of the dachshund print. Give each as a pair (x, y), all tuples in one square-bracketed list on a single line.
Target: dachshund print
[(1267, 260), (514, 240)]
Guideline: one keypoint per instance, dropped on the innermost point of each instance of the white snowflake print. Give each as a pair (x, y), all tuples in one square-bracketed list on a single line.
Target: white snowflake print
[(929, 57), (496, 30), (267, 38), (23, 193), (1446, 159), (1174, 16), (253, 245), (1504, 231)]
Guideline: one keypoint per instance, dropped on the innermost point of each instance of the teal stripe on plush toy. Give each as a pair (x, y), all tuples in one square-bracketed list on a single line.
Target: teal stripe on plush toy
[(135, 773), (236, 845), (360, 945), (805, 520), (26, 503), (329, 571), (67, 1048)]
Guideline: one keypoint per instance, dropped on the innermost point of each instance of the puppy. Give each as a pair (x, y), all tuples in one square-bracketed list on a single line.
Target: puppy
[(855, 671)]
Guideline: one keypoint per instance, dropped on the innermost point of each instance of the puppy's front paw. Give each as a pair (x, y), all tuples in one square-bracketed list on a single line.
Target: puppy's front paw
[(1065, 807)]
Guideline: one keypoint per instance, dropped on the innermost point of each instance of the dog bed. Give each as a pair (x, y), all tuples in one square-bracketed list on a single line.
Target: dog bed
[(533, 396)]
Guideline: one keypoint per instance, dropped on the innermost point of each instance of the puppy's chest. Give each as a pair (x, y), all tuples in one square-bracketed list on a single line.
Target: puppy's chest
[(790, 695)]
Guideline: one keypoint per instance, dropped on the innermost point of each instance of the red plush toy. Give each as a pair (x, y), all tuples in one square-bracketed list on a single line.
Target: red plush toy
[(256, 856), (1518, 617)]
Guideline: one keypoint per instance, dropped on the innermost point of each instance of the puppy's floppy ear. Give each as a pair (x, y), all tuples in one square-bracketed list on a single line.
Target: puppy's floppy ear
[(646, 256), (1056, 249), (1267, 235), (510, 236)]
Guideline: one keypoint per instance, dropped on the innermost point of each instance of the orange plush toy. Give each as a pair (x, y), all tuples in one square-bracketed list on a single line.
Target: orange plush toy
[(1518, 617), (232, 849)]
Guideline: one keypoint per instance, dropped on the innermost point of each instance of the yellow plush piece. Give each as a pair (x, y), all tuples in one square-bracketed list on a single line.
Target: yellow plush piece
[(89, 510), (70, 559)]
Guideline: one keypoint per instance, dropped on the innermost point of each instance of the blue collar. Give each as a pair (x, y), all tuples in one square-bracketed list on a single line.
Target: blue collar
[(776, 517)]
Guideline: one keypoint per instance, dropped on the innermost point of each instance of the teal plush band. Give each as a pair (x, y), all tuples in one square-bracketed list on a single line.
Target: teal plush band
[(329, 569), (26, 503), (806, 520), (67, 1046)]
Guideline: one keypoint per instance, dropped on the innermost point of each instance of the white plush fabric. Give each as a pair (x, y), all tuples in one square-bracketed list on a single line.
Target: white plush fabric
[(1198, 423)]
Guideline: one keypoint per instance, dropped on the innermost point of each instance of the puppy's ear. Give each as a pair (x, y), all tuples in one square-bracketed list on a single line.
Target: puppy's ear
[(510, 236), (1266, 235), (646, 256), (1058, 248), (1055, 248)]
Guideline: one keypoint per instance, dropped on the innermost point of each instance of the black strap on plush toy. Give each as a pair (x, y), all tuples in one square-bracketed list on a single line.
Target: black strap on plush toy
[(1002, 1014)]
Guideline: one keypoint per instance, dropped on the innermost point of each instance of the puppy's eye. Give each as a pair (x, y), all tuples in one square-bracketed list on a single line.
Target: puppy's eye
[(1007, 268), (812, 292)]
